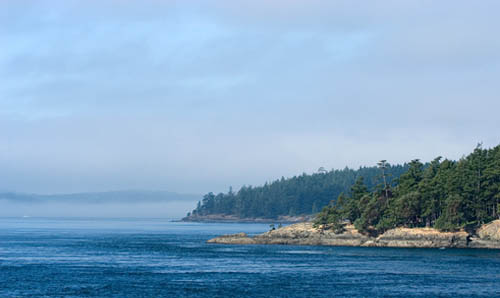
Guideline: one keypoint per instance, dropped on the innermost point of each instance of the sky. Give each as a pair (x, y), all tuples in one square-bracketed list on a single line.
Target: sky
[(198, 96)]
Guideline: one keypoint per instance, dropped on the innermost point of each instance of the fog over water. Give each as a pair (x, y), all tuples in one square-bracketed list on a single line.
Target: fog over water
[(193, 97), (106, 204), (173, 209)]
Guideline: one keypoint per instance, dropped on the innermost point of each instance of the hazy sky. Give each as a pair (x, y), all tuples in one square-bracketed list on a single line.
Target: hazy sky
[(195, 96)]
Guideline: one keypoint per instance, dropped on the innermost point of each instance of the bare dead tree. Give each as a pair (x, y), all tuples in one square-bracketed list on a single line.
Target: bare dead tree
[(383, 166)]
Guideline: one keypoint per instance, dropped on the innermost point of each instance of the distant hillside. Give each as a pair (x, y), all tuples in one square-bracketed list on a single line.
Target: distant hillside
[(131, 196), (299, 195)]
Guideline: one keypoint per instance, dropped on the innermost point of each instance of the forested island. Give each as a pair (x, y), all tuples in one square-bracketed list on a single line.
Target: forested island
[(296, 197), (444, 194), (441, 204)]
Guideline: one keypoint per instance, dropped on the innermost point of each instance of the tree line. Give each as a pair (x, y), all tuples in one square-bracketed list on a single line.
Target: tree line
[(445, 194), (300, 195)]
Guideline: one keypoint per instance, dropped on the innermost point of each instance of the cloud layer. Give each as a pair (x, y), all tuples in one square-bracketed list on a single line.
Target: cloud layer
[(194, 97)]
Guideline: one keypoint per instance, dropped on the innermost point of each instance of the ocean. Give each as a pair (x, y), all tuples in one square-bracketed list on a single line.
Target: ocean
[(89, 257)]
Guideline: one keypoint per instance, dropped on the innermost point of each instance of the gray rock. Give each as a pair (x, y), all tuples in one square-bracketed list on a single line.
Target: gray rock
[(306, 234)]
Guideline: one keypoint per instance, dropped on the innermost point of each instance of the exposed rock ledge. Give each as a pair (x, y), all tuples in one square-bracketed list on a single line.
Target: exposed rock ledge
[(305, 234)]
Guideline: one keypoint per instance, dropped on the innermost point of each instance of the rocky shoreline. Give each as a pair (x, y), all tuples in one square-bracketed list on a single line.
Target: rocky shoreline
[(488, 236)]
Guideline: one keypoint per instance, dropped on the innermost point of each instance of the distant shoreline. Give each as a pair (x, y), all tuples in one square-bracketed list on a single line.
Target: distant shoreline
[(220, 218)]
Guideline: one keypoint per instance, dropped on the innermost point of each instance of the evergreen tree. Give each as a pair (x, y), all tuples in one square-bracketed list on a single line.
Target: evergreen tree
[(299, 195), (444, 194), (447, 195)]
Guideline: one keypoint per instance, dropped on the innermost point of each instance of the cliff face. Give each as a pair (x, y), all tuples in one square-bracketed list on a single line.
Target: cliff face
[(306, 234)]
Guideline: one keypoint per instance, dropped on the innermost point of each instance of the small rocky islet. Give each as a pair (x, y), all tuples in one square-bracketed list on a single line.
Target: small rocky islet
[(487, 236)]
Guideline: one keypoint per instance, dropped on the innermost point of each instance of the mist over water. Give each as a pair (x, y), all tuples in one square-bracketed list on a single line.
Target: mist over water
[(157, 204), (171, 209)]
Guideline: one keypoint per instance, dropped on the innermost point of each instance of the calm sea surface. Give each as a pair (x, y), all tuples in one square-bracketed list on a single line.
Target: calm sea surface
[(42, 257)]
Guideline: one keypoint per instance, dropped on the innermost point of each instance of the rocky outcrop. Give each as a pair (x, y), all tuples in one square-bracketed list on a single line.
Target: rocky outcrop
[(421, 237), (488, 236), (240, 238), (306, 234), (490, 231)]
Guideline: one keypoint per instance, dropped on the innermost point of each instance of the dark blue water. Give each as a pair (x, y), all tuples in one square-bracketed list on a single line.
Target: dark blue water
[(157, 258)]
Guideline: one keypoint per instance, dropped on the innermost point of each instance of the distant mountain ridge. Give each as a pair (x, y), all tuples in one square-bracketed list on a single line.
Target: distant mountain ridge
[(124, 196)]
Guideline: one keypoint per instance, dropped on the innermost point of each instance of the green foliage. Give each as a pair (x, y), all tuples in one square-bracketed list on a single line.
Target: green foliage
[(447, 195), (444, 194), (329, 218), (299, 195), (452, 217)]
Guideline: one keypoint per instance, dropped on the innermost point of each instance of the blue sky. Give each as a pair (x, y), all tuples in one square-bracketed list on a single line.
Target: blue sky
[(196, 96)]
